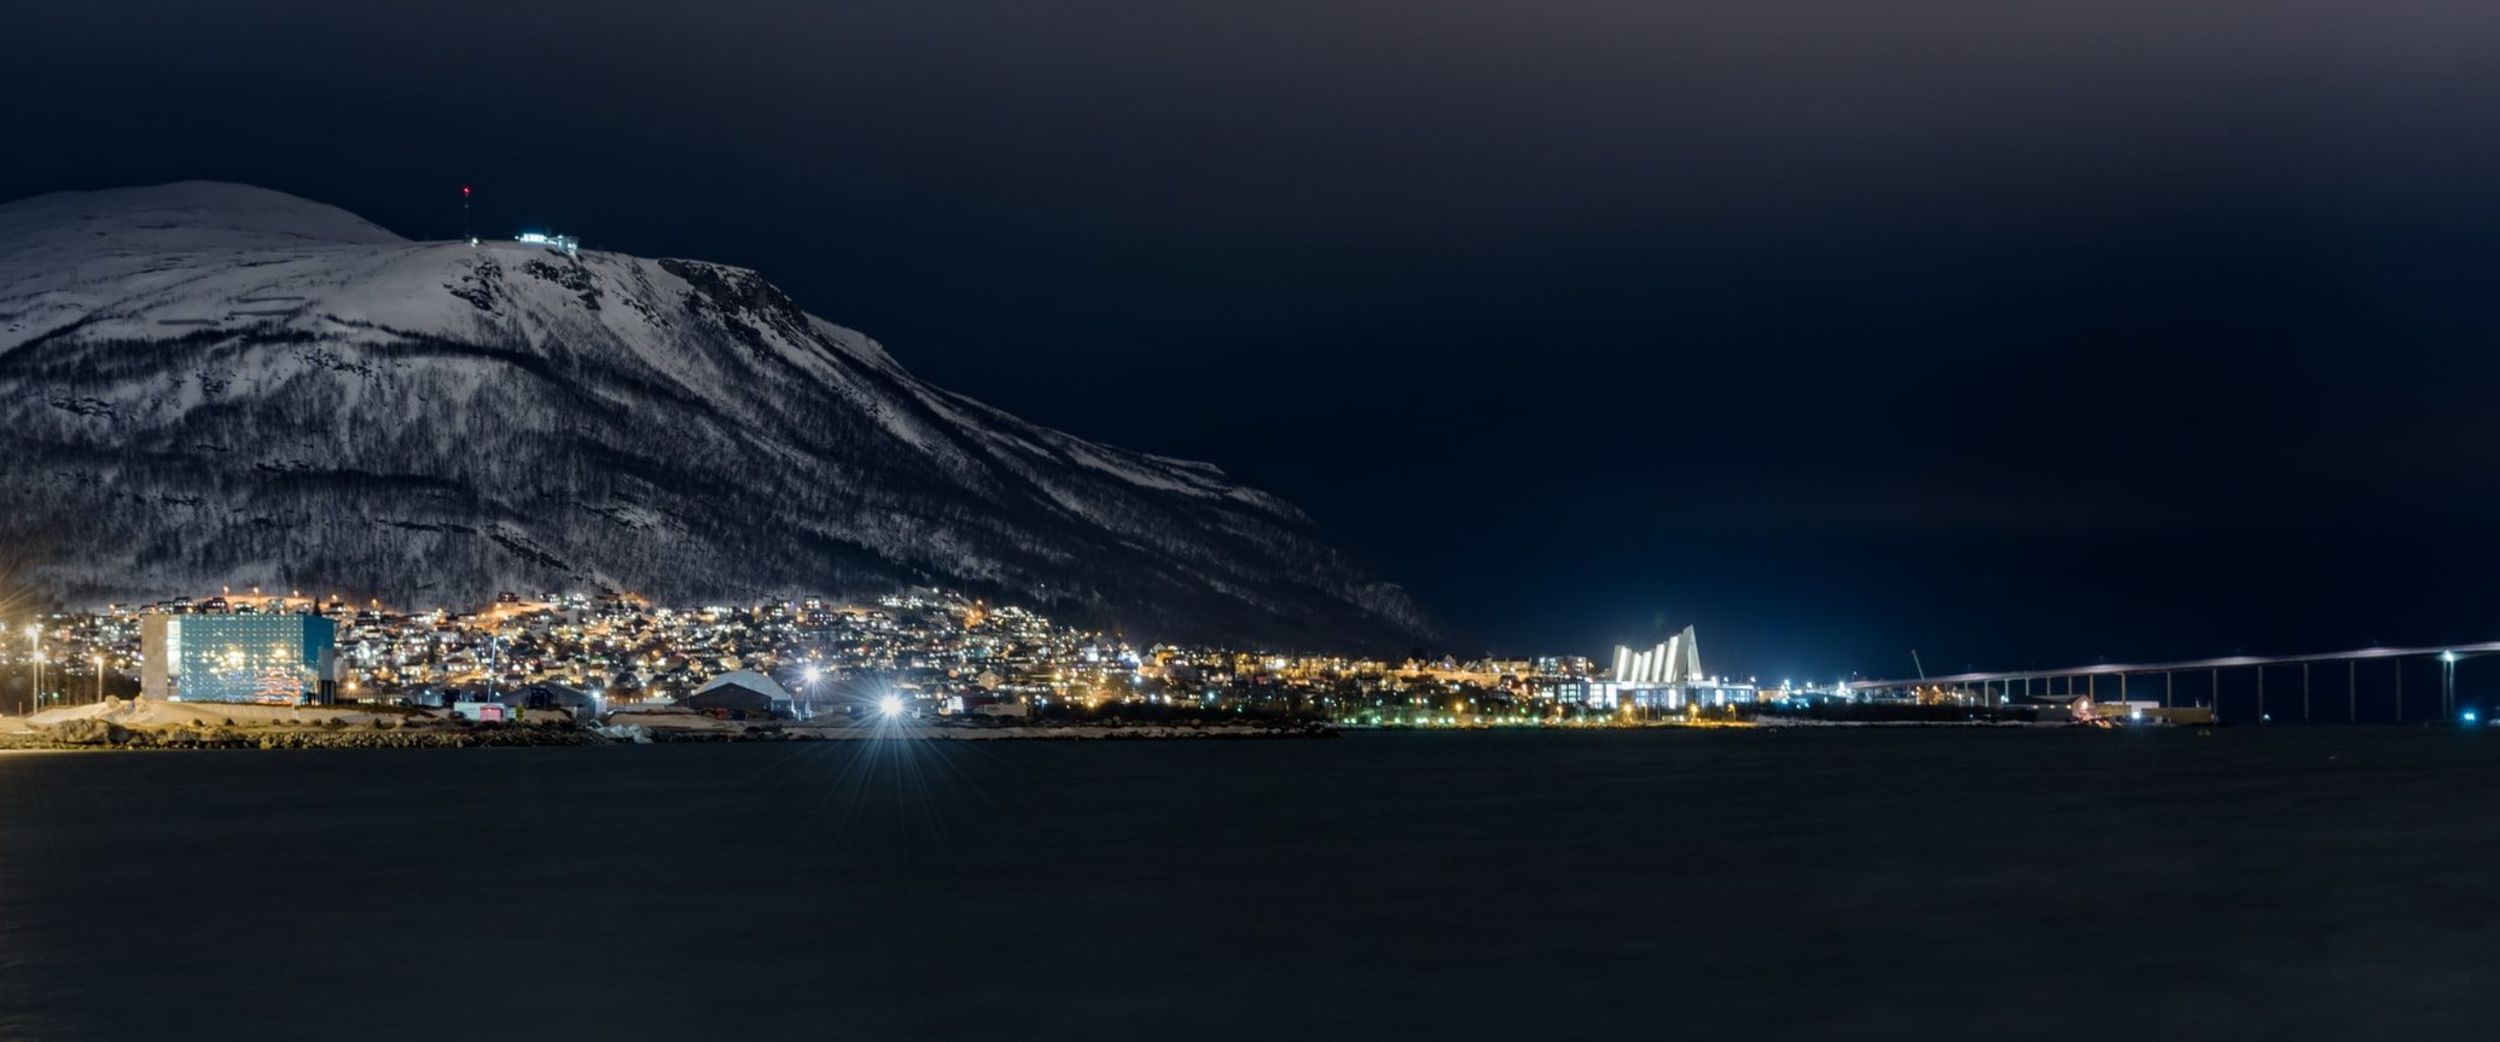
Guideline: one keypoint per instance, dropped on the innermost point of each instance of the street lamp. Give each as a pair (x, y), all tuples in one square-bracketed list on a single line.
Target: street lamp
[(2447, 683), (98, 658)]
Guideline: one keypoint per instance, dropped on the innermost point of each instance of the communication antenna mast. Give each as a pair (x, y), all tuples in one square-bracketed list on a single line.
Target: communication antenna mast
[(465, 233)]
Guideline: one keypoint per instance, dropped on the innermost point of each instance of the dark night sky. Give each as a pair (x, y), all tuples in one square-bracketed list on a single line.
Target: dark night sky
[(2017, 332)]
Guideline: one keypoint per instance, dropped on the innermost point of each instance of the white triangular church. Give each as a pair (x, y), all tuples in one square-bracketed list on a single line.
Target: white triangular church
[(1675, 661)]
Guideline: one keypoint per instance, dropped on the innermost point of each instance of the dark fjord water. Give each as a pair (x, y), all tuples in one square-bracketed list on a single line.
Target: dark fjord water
[(1827, 885)]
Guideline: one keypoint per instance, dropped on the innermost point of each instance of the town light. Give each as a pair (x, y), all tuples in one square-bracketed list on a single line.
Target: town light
[(890, 706)]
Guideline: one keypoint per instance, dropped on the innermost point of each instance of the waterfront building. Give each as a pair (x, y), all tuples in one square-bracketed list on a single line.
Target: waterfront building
[(744, 695), (551, 696), (284, 659)]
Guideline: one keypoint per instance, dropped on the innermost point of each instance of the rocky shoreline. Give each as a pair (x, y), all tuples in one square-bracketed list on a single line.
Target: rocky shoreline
[(111, 736), (1043, 733), (154, 726)]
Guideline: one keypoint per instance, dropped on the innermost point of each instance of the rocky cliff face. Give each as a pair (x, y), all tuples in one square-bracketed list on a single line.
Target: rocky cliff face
[(206, 385)]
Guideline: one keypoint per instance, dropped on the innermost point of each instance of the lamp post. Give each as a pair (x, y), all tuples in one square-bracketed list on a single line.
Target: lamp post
[(34, 650), (98, 659), (2448, 684)]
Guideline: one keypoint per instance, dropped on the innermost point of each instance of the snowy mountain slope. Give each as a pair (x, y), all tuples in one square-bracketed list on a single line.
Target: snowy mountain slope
[(208, 384)]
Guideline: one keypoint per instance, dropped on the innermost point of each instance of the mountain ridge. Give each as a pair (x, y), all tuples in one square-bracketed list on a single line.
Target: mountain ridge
[(207, 384)]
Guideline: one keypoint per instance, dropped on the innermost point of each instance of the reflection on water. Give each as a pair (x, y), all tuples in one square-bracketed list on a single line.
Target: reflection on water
[(1840, 884)]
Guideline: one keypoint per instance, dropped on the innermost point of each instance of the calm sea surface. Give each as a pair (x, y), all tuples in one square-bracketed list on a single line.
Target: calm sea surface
[(1831, 884)]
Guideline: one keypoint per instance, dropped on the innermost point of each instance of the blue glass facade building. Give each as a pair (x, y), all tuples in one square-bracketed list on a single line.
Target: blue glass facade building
[(235, 658)]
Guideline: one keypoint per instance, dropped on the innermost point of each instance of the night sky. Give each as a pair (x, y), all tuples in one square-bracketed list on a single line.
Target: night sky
[(2020, 333)]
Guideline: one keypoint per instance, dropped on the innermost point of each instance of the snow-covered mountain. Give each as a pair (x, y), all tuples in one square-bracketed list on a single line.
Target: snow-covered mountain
[(212, 384)]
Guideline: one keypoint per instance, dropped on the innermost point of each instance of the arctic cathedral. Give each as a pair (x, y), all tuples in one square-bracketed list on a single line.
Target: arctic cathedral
[(1666, 677), (1677, 660)]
